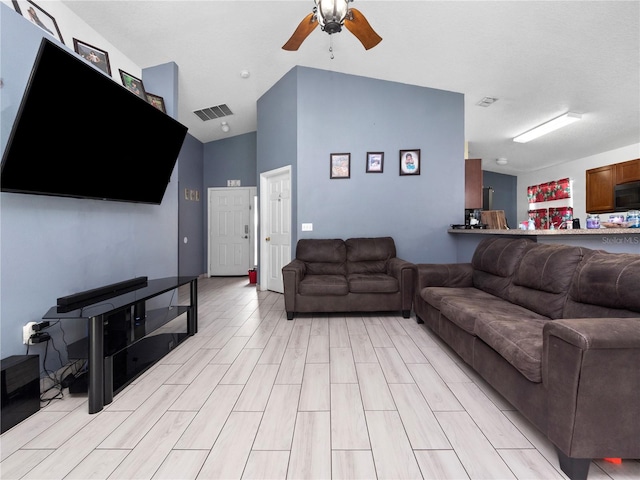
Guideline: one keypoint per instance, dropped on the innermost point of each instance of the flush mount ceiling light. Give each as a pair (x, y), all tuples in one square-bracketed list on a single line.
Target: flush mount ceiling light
[(548, 127), (486, 101), (501, 161), (224, 126)]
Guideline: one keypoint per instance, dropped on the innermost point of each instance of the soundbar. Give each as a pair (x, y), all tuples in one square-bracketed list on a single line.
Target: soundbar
[(81, 299)]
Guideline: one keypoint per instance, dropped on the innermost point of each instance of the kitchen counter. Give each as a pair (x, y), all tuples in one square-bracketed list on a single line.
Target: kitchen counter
[(615, 240), (538, 233)]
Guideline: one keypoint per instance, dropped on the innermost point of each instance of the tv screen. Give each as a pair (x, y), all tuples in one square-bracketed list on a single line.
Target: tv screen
[(80, 134)]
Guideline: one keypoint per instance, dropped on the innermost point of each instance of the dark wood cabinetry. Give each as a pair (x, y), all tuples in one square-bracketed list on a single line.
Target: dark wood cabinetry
[(473, 183), (600, 183), (628, 171)]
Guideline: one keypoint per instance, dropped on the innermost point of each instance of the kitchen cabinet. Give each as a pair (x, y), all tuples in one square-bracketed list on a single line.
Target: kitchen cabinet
[(600, 183), (473, 183), (628, 171)]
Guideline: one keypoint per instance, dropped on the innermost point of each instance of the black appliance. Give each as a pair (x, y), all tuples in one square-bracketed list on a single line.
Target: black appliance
[(80, 134), (20, 386), (627, 196)]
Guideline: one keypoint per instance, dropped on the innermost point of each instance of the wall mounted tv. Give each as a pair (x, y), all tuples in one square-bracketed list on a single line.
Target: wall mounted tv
[(80, 134)]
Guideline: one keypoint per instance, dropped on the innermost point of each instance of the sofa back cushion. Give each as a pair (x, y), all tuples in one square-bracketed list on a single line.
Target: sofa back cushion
[(494, 262), (605, 285), (541, 281), (323, 256), (369, 255)]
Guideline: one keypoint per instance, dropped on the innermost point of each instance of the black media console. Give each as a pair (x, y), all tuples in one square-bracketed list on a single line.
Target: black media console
[(124, 337)]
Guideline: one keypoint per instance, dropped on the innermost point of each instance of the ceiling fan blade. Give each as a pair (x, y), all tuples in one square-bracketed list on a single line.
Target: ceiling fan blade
[(359, 26), (304, 29)]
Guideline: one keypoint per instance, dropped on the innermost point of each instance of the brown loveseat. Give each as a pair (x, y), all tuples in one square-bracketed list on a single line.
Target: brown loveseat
[(556, 330), (354, 275)]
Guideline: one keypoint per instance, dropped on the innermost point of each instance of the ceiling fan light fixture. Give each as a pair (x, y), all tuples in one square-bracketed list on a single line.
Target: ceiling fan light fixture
[(548, 127), (331, 14)]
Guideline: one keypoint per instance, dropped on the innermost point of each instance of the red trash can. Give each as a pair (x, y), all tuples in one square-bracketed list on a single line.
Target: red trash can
[(253, 276)]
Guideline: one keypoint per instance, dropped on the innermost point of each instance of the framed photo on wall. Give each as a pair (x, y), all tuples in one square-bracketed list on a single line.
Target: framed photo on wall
[(340, 164), (375, 162), (39, 17), (410, 162), (133, 84), (96, 57), (157, 101)]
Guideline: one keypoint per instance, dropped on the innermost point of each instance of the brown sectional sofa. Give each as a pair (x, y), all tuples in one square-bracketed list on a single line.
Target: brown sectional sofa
[(556, 330), (353, 275)]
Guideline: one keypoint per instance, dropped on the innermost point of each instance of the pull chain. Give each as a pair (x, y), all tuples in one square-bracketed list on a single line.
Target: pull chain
[(331, 47)]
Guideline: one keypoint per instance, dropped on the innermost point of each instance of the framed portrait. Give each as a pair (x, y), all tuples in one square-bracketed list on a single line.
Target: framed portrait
[(39, 17), (96, 57), (133, 84), (340, 164), (410, 162), (157, 101), (375, 162)]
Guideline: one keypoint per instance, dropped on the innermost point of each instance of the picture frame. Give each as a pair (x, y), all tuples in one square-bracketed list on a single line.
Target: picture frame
[(133, 84), (410, 162), (375, 162), (340, 165), (157, 101), (94, 55), (36, 15)]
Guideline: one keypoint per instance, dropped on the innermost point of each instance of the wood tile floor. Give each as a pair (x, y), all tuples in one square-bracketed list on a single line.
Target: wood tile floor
[(255, 396)]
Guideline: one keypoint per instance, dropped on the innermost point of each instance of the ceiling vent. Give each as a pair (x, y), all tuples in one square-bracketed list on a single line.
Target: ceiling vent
[(213, 112), (486, 101)]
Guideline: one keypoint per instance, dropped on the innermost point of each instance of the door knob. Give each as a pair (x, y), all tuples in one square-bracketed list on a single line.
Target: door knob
[(246, 236), (268, 239)]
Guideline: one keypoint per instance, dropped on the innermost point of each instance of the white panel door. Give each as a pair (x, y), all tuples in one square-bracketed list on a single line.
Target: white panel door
[(230, 231), (277, 228)]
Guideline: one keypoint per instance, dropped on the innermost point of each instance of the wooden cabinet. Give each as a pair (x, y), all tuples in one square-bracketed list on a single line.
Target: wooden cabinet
[(628, 171), (473, 183), (600, 183)]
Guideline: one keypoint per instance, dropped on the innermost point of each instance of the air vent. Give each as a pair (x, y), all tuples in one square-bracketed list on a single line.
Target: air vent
[(486, 101), (213, 112)]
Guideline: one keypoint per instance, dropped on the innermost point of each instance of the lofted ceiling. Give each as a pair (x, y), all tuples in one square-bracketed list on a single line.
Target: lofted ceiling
[(540, 59)]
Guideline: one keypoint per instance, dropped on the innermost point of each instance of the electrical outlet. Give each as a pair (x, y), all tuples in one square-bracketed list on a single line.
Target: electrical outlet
[(27, 331)]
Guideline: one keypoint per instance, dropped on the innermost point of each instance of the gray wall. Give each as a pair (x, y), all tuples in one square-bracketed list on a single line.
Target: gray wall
[(232, 158), (505, 194), (312, 113), (51, 246), (191, 254)]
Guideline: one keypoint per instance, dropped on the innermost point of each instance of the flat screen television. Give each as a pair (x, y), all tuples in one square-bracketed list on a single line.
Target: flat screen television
[(80, 134)]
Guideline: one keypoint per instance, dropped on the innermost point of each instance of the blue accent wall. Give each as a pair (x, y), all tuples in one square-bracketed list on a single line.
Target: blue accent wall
[(505, 194), (232, 158), (312, 113)]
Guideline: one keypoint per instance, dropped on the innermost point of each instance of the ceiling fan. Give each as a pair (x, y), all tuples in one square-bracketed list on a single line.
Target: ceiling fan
[(331, 15)]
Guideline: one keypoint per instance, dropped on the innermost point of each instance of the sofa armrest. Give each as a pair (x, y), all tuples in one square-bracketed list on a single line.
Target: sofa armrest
[(456, 275), (292, 275), (591, 370), (405, 272)]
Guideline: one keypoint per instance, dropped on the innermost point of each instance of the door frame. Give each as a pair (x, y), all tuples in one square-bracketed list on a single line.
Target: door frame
[(263, 221), (252, 226)]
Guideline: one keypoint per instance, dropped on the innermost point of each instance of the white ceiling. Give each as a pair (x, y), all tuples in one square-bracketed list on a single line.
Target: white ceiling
[(539, 58)]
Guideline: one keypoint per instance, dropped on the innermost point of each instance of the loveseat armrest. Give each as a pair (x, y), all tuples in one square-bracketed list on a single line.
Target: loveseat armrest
[(405, 273), (455, 275), (292, 274), (591, 370)]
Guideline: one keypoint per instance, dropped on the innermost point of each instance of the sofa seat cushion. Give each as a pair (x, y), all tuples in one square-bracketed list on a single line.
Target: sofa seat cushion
[(372, 283), (465, 311), (517, 340), (323, 285), (434, 295)]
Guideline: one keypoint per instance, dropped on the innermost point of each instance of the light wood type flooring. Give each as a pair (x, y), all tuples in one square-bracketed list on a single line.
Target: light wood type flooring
[(254, 396)]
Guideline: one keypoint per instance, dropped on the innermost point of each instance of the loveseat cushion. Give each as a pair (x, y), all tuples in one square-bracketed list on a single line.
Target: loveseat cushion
[(543, 276), (465, 311), (369, 255), (605, 285), (372, 283), (494, 262), (517, 340), (323, 285), (323, 256)]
